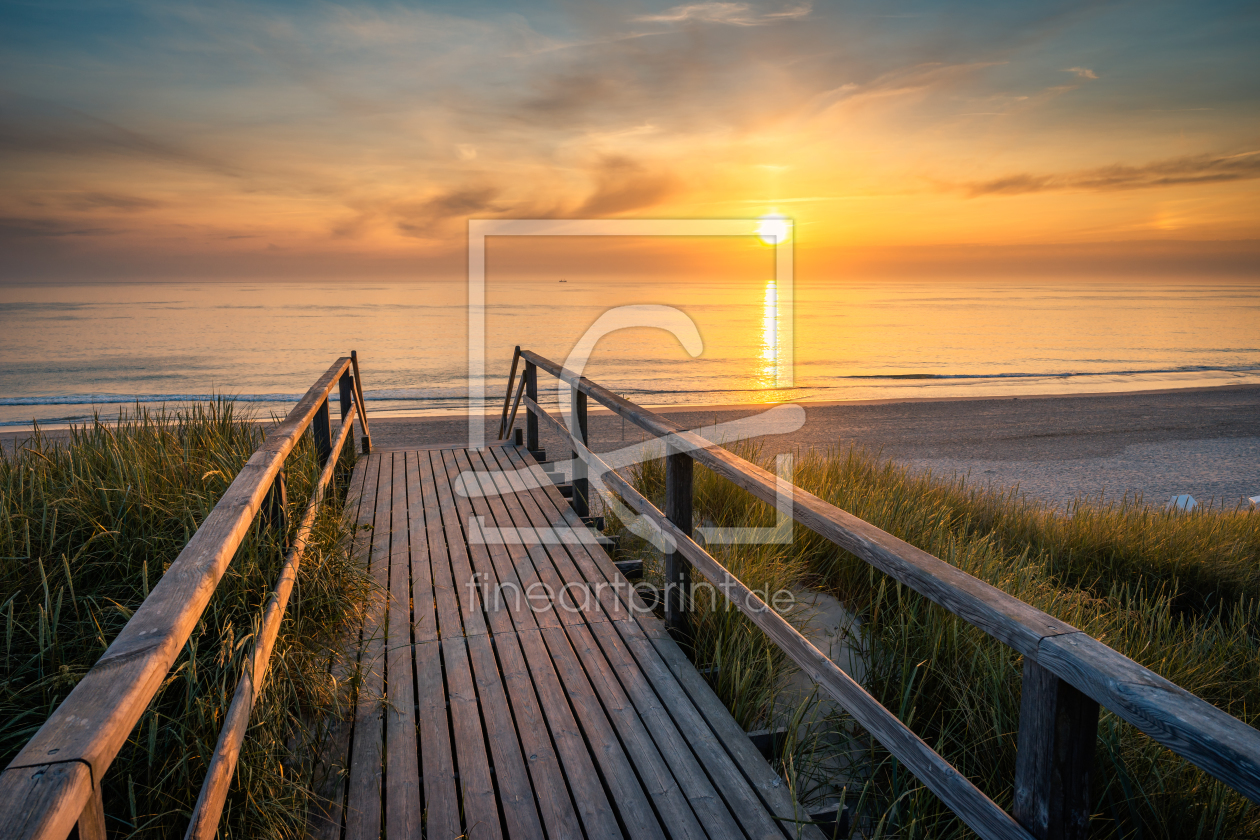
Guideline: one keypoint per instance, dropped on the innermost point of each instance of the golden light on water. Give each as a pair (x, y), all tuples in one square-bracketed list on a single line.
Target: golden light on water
[(770, 336)]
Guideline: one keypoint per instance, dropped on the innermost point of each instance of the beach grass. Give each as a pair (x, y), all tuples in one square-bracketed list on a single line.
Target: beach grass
[(1176, 592), (88, 527)]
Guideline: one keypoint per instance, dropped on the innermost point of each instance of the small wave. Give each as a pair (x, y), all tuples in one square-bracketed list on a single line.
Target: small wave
[(1060, 374)]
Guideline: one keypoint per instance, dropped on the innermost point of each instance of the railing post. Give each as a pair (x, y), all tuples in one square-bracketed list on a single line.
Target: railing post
[(321, 430), (531, 421), (91, 823), (275, 508), (678, 511), (345, 389), (1058, 726), (358, 393), (507, 398), (581, 486)]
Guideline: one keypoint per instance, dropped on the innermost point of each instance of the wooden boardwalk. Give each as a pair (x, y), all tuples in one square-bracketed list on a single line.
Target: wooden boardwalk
[(559, 713)]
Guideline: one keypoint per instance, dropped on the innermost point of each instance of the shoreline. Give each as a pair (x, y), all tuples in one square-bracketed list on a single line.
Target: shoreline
[(1204, 441)]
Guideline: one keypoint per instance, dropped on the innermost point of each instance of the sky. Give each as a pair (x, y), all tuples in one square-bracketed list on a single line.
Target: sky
[(354, 141)]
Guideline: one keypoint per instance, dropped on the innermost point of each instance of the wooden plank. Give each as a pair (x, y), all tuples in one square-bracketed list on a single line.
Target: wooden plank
[(655, 775), (445, 601), (463, 583), (547, 710), (403, 808), (488, 560), (772, 789), (332, 772), (726, 775), (685, 740), (585, 771), (424, 626), (515, 793), (363, 798), (94, 720), (558, 812), (437, 758), (481, 812), (535, 563), (46, 800), (614, 595), (1222, 745), (503, 421), (624, 787)]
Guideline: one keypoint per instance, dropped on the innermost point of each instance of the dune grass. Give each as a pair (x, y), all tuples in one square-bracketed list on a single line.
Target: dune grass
[(1176, 592), (88, 527)]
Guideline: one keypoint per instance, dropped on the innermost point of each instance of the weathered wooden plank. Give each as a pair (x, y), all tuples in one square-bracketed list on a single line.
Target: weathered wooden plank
[(623, 785), (586, 772), (45, 800), (507, 396), (445, 600), (424, 626), (596, 567), (465, 587), (363, 798), (94, 720), (437, 757), (536, 563), (657, 778), (515, 793), (772, 789), (403, 808), (614, 595), (1222, 745), (685, 740), (481, 812), (548, 709), (558, 812), (487, 560)]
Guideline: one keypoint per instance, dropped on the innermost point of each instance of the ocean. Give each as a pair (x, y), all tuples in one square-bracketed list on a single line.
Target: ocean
[(72, 350)]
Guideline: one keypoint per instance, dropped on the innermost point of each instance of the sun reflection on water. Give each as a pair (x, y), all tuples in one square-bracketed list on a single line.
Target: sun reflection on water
[(770, 336)]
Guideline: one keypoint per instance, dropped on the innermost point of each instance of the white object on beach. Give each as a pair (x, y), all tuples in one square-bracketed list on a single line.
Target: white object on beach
[(1255, 502), (1184, 503)]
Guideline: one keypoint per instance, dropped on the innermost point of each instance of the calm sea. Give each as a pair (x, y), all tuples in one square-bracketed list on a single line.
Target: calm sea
[(73, 349)]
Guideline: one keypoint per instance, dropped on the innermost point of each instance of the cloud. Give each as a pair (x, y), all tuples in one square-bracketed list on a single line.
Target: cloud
[(110, 201), (1195, 169), (731, 14), (430, 218), (623, 184), (1082, 72), (466, 151), (13, 227)]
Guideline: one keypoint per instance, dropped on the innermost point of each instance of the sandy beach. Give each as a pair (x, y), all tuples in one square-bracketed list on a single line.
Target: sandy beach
[(1205, 442)]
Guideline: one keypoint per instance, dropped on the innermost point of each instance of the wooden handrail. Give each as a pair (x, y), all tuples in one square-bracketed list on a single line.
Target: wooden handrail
[(204, 823), (1206, 736), (55, 780), (980, 812), (504, 423)]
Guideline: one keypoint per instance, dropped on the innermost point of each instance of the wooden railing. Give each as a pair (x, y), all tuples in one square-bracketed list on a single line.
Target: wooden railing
[(1067, 673), (54, 783)]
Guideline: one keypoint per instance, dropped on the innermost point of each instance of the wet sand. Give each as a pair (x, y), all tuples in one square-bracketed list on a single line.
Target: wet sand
[(1205, 442)]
